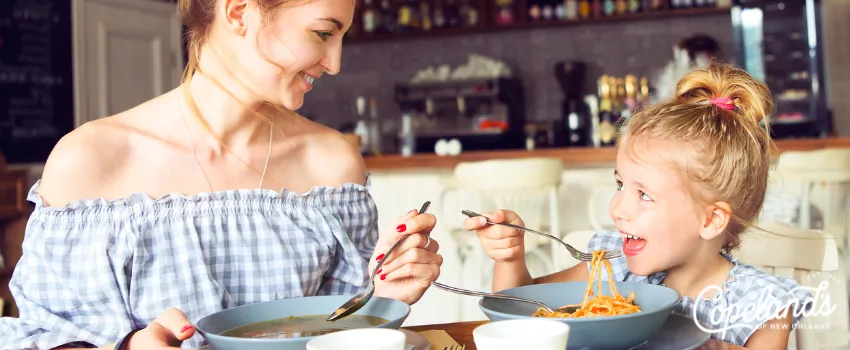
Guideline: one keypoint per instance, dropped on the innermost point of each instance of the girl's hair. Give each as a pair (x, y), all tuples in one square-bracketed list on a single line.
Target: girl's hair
[(717, 111)]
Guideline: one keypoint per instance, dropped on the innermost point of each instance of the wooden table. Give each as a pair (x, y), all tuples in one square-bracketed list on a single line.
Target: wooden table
[(461, 332)]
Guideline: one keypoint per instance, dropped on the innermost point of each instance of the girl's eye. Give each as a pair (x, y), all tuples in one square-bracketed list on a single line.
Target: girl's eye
[(645, 196), (324, 35), (619, 185)]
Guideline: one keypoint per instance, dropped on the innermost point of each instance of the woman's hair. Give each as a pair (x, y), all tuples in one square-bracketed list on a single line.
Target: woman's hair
[(198, 17), (717, 111)]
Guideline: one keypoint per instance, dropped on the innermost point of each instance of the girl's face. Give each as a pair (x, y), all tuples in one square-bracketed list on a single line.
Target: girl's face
[(302, 41), (654, 205)]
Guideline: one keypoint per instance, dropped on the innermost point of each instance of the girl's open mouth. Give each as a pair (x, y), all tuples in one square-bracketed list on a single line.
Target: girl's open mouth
[(633, 245)]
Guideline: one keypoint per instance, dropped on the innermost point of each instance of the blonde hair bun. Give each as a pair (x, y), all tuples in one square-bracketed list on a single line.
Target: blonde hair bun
[(721, 85)]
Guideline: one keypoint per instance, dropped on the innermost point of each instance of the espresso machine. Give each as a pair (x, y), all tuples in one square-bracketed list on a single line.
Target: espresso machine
[(482, 114)]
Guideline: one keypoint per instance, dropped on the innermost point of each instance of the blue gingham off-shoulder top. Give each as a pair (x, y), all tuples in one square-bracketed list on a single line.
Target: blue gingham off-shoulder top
[(95, 269), (747, 300)]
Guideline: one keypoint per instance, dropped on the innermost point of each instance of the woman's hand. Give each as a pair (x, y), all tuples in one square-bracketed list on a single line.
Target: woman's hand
[(167, 331), (409, 270), (502, 244)]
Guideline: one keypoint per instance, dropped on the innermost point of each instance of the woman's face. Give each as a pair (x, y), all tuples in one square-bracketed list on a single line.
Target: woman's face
[(282, 57)]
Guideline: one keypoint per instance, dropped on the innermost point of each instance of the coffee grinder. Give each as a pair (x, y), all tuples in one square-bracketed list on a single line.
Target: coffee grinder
[(575, 114)]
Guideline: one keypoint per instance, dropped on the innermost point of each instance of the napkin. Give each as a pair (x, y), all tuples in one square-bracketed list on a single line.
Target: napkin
[(439, 339)]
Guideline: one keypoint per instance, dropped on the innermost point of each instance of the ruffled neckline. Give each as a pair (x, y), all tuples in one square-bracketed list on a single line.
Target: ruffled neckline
[(725, 289), (139, 198)]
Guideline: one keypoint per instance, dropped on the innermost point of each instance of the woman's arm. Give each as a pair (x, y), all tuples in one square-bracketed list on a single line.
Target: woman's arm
[(67, 284)]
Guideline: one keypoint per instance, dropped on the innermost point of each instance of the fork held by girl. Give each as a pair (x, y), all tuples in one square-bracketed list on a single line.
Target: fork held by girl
[(691, 175)]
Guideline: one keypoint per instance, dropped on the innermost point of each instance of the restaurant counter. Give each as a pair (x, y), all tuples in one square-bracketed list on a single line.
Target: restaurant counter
[(573, 157)]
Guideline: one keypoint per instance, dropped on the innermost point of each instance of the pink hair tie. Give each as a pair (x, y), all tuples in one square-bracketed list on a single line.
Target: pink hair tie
[(724, 103)]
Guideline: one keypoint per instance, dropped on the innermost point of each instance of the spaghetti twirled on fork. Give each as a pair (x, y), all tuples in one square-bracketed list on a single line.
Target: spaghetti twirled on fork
[(597, 305)]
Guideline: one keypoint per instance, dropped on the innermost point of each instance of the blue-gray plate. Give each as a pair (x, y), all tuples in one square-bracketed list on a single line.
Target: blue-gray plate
[(211, 326), (608, 332)]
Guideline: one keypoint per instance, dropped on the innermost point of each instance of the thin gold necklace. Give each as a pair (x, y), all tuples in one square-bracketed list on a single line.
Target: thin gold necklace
[(198, 163)]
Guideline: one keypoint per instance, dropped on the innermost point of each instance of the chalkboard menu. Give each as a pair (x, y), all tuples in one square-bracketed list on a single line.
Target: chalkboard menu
[(36, 77)]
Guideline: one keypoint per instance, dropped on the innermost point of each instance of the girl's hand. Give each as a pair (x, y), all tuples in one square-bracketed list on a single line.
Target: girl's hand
[(409, 270), (502, 244), (167, 331)]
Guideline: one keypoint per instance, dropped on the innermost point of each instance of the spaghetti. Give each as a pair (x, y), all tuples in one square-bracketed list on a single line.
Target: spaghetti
[(597, 305)]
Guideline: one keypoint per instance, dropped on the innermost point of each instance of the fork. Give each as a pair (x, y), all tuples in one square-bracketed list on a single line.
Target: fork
[(455, 347), (579, 255)]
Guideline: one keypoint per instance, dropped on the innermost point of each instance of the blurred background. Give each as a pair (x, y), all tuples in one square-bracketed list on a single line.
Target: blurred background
[(471, 104)]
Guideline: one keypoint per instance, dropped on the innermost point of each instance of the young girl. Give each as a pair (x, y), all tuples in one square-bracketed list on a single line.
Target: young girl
[(691, 175)]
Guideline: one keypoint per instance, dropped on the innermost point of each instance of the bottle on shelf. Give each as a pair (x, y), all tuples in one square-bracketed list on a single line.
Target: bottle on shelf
[(584, 9), (547, 11), (452, 13), (362, 128), (374, 128), (644, 90), (425, 13), (468, 13), (622, 7), (388, 22), (635, 6), (405, 16), (596, 7), (370, 17), (607, 117), (534, 12), (439, 16), (561, 11), (609, 7), (571, 9), (577, 124), (406, 135), (592, 102), (504, 12)]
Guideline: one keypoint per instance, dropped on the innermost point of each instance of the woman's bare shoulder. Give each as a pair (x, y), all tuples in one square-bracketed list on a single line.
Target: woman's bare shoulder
[(332, 159), (83, 162), (90, 160)]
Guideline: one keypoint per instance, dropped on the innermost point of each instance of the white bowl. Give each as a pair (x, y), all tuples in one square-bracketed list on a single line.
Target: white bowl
[(360, 339), (537, 334)]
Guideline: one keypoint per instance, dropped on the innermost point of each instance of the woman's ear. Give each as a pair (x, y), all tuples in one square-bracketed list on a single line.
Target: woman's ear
[(234, 16), (718, 218)]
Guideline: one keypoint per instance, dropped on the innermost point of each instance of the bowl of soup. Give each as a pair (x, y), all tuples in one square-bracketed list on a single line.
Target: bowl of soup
[(288, 324)]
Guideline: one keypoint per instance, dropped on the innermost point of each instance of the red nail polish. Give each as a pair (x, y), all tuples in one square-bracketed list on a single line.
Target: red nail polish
[(379, 271), (383, 277), (379, 257), (401, 228), (186, 328)]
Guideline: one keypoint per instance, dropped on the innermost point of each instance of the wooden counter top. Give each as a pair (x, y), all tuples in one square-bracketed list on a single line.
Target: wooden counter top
[(572, 157)]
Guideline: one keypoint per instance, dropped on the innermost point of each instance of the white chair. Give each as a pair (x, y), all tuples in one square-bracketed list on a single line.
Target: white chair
[(528, 186), (810, 257), (827, 170), (597, 206)]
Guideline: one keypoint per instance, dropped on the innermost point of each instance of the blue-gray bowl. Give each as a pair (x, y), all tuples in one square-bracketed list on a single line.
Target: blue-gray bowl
[(614, 332), (213, 325)]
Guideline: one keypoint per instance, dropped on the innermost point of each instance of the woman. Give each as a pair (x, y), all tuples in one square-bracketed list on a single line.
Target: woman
[(160, 215)]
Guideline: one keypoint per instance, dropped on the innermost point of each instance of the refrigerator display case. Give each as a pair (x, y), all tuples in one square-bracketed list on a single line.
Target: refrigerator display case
[(779, 43)]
